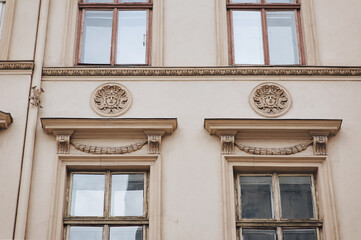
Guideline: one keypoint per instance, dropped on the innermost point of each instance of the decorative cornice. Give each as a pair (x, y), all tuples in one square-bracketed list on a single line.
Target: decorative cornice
[(203, 71), (10, 65), (5, 120), (274, 128), (95, 128)]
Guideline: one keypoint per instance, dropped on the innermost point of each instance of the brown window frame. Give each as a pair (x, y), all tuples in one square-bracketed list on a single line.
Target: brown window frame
[(277, 222), (263, 7), (106, 221), (115, 6)]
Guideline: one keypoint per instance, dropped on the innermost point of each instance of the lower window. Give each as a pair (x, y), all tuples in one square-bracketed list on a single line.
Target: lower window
[(276, 206), (107, 205)]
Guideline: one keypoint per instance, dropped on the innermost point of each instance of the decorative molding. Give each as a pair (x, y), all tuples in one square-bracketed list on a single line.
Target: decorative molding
[(80, 128), (5, 120), (271, 129), (108, 150), (274, 151), (270, 99), (9, 65), (320, 145), (227, 143), (35, 96), (204, 71), (154, 143), (111, 99), (63, 141)]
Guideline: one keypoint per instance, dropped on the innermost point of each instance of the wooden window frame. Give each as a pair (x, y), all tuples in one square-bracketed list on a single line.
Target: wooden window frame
[(106, 221), (115, 7), (263, 7), (276, 223)]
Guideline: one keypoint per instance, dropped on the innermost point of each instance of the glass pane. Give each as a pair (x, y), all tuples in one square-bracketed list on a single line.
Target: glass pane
[(132, 36), (88, 233), (87, 197), (251, 234), (247, 37), (280, 1), (296, 197), (97, 37), (99, 1), (282, 37), (126, 233), (133, 1), (245, 1), (2, 8), (256, 197), (127, 195), (299, 234)]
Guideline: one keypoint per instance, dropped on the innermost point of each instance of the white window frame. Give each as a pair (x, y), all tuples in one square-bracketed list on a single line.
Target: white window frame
[(72, 163), (232, 165)]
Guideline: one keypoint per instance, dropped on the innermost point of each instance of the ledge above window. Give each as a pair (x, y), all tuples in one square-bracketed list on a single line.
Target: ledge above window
[(5, 120)]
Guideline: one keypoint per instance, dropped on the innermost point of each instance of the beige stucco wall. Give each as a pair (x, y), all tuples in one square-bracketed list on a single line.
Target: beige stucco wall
[(191, 173), (14, 92)]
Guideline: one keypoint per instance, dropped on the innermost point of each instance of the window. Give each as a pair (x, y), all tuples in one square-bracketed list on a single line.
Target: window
[(276, 206), (265, 32), (2, 10), (107, 205), (115, 32)]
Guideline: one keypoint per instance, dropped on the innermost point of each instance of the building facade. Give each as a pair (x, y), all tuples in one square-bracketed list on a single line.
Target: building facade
[(170, 120)]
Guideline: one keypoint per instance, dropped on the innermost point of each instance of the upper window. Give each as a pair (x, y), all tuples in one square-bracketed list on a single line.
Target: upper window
[(277, 206), (107, 206), (115, 32), (265, 32), (2, 10)]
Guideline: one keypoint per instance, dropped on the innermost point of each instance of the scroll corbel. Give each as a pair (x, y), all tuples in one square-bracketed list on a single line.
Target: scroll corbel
[(154, 141), (227, 142), (63, 141), (320, 145)]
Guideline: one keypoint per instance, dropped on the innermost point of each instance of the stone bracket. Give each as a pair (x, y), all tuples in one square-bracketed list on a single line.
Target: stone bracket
[(63, 141), (154, 141), (320, 145), (227, 141)]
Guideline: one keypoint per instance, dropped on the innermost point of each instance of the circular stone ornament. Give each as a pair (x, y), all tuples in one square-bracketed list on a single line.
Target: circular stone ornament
[(270, 100), (111, 99)]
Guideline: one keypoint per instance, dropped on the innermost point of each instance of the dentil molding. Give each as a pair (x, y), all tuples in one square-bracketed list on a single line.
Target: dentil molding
[(150, 129)]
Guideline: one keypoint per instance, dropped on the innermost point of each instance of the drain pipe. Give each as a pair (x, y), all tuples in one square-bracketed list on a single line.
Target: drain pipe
[(32, 121)]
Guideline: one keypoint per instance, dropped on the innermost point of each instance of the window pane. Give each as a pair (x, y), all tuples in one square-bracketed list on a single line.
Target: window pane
[(133, 1), (299, 234), (246, 1), (247, 37), (2, 8), (126, 233), (99, 1), (251, 234), (97, 37), (282, 37), (87, 197), (127, 195), (256, 197), (132, 30), (280, 1), (296, 197), (88, 233)]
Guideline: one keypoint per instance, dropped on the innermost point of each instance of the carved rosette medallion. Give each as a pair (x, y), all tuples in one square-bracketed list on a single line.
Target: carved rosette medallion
[(111, 100), (270, 99)]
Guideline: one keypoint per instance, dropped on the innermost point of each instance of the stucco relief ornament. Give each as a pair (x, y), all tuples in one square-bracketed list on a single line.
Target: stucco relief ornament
[(111, 100), (270, 99)]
